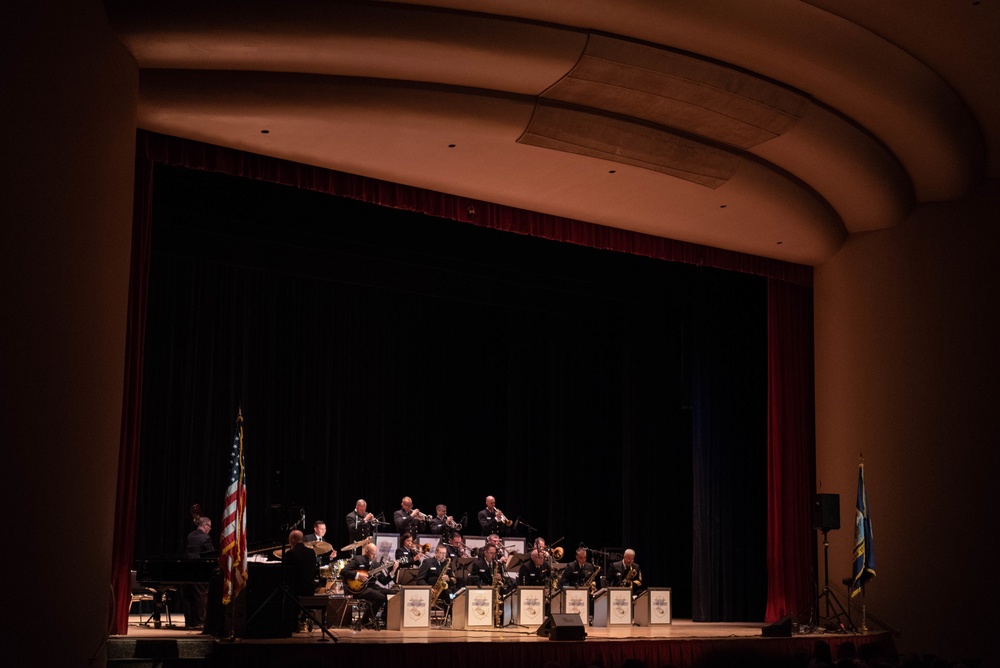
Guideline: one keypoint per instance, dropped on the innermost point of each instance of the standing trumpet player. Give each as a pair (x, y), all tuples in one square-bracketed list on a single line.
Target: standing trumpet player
[(408, 518), (492, 519), (442, 523)]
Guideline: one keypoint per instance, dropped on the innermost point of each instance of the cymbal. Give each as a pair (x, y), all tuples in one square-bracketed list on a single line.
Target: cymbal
[(357, 543), (318, 547), (279, 552)]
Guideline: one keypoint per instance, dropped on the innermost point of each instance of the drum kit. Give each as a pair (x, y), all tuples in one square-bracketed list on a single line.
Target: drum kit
[(331, 572)]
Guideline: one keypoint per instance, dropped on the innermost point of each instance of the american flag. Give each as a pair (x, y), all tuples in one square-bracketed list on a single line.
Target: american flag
[(233, 555)]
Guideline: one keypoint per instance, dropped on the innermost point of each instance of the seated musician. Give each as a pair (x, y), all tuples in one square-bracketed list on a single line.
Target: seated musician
[(432, 568), (534, 573), (360, 584), (360, 523), (319, 536), (409, 555), (485, 567), (626, 573), (408, 519), (579, 571), (456, 547)]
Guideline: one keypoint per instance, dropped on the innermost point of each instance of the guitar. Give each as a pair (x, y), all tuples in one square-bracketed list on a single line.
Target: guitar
[(356, 585)]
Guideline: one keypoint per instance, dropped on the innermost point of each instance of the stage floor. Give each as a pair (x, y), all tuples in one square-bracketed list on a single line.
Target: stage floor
[(680, 629), (682, 644)]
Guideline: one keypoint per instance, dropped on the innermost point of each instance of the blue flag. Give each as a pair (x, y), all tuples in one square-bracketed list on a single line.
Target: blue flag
[(864, 546)]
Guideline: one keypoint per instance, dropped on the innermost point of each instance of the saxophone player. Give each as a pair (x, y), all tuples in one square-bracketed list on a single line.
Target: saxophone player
[(485, 567), (626, 573), (432, 568), (579, 571)]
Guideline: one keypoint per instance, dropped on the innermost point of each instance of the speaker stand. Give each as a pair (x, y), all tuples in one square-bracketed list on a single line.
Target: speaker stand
[(839, 620)]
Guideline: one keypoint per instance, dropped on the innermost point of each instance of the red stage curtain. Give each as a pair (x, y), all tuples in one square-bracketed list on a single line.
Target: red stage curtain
[(128, 449), (791, 447)]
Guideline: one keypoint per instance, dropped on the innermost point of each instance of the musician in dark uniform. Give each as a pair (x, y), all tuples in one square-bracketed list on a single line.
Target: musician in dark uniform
[(319, 536), (408, 519), (360, 523), (433, 567), (301, 564), (407, 554), (618, 571), (198, 546), (442, 523), (534, 573), (490, 519), (484, 567), (456, 547), (577, 572), (360, 584)]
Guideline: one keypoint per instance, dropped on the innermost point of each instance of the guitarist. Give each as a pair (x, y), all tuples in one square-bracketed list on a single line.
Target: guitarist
[(356, 573)]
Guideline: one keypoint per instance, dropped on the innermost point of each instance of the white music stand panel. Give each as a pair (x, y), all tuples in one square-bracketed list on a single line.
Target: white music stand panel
[(613, 607), (409, 609), (652, 607), (528, 605), (572, 600), (472, 609)]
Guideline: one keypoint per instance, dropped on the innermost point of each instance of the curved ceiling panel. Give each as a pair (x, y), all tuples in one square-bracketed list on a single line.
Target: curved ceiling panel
[(405, 132)]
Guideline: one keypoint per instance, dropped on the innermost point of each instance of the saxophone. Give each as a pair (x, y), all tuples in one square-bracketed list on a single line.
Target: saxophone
[(497, 595), (633, 578), (441, 583), (590, 581)]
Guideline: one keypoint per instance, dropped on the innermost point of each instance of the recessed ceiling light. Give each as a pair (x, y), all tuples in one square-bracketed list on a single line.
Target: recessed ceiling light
[(611, 171), (780, 242), (722, 206), (264, 132), (451, 145)]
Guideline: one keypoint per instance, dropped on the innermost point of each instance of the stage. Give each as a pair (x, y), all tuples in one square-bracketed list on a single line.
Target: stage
[(680, 644)]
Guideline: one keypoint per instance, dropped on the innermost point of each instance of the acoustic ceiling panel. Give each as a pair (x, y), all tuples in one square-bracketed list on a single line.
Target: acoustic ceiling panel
[(599, 136), (695, 96)]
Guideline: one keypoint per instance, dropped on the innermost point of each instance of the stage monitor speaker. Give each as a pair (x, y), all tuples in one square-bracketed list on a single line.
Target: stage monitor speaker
[(826, 512), (780, 629), (562, 626)]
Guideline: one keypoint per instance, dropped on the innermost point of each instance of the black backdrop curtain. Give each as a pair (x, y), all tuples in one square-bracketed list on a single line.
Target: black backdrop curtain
[(603, 397)]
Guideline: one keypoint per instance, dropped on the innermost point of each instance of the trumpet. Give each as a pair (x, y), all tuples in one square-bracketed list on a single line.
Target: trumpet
[(503, 518), (417, 515), (452, 524)]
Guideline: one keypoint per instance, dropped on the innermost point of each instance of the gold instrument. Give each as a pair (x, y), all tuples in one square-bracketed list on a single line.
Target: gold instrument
[(555, 579), (633, 578), (591, 582), (557, 553), (441, 583), (503, 518), (452, 524), (425, 548), (497, 595)]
